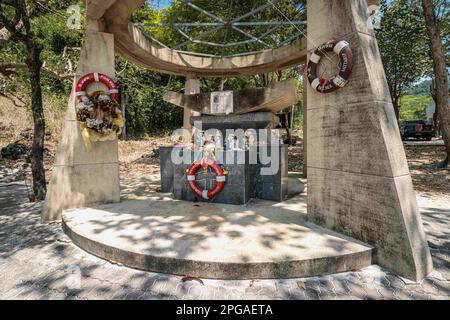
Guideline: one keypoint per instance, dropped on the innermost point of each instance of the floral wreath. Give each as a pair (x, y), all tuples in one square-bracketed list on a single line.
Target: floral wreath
[(100, 118)]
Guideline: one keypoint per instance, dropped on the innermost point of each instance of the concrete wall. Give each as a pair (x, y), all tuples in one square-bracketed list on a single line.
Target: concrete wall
[(81, 177), (358, 177)]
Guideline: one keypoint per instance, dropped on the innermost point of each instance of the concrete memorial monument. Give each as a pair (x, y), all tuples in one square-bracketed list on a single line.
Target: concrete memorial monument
[(358, 178)]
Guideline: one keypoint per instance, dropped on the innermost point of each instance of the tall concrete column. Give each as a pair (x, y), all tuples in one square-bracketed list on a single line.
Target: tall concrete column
[(305, 127), (358, 177), (80, 177), (192, 86)]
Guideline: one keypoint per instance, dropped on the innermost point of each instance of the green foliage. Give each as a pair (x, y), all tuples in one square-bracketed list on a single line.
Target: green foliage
[(142, 90), (403, 43), (227, 10), (414, 107), (149, 113), (423, 87), (57, 40), (442, 9)]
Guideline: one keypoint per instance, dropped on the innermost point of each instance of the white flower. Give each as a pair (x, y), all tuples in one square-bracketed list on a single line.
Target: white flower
[(92, 123), (104, 98)]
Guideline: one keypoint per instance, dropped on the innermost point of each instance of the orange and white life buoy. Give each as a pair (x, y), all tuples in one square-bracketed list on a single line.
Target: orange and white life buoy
[(323, 85), (89, 78), (220, 178)]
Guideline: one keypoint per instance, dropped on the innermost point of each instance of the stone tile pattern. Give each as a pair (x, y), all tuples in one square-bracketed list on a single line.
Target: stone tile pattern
[(37, 261)]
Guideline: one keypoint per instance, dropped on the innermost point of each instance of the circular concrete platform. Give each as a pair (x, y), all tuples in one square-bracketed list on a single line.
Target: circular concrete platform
[(260, 240)]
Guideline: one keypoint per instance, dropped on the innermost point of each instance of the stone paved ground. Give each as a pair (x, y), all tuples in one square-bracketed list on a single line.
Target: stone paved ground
[(37, 261)]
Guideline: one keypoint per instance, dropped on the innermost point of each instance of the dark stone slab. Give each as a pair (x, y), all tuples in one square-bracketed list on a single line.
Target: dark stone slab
[(271, 187), (255, 120), (236, 190), (166, 169), (244, 180)]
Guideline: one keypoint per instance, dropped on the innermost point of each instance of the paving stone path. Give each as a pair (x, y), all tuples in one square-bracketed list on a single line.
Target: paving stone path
[(38, 261)]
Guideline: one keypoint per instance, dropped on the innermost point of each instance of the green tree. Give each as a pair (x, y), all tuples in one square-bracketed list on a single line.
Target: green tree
[(143, 91), (403, 46), (227, 10), (414, 107), (25, 42), (433, 20), (146, 112), (178, 12)]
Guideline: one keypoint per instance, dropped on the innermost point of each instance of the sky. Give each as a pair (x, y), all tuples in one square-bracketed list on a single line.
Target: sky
[(159, 4)]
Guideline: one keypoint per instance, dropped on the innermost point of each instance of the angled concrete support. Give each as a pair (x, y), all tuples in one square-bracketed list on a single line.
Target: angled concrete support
[(79, 177), (273, 98), (358, 177)]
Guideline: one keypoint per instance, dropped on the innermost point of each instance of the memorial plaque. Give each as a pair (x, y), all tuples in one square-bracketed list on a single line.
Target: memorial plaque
[(222, 102)]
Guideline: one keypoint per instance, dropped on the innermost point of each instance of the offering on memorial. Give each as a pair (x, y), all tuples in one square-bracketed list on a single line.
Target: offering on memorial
[(100, 118), (99, 113)]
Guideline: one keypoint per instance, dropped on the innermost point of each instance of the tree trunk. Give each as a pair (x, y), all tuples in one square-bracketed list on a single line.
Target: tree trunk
[(37, 152), (395, 102), (435, 115), (34, 65), (222, 83), (440, 71)]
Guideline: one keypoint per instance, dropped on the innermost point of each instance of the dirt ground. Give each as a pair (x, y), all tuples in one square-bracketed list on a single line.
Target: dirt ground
[(140, 157), (428, 181)]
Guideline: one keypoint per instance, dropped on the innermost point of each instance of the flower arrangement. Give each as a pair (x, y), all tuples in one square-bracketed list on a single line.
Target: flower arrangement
[(100, 118)]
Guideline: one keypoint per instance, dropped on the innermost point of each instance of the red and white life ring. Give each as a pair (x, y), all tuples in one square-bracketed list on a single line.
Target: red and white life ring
[(220, 178), (89, 78), (323, 85)]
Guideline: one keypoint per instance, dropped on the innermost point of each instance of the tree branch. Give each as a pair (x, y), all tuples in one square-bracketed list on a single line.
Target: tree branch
[(13, 100), (5, 34), (9, 67), (12, 27)]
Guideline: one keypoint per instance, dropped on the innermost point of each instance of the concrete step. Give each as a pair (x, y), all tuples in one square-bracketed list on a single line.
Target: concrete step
[(261, 240)]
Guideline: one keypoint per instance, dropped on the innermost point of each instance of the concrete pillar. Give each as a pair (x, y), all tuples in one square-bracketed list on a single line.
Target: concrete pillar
[(358, 177), (305, 127), (192, 86), (79, 177)]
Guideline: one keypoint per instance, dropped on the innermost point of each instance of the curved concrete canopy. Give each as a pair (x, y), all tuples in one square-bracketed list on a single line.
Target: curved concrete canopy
[(114, 16), (130, 42)]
